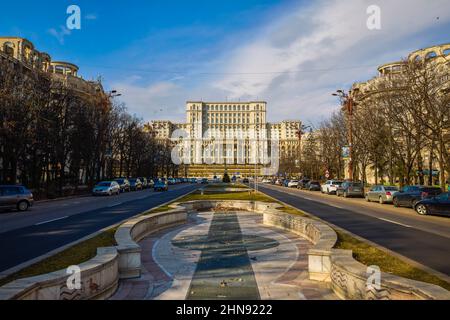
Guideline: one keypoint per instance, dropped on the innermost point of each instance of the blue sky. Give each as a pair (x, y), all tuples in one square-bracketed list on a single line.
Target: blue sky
[(293, 54)]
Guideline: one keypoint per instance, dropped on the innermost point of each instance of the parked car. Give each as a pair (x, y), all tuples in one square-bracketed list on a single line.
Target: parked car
[(313, 186), (350, 189), (286, 182), (106, 188), (410, 195), (293, 184), (124, 184), (266, 181), (15, 197), (245, 180), (171, 181), (278, 182), (150, 183), (331, 186), (144, 182), (204, 181), (161, 185), (381, 194), (439, 205), (302, 183), (135, 184)]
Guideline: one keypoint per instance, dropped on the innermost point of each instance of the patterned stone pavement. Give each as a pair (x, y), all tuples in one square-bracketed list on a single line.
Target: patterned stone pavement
[(224, 256)]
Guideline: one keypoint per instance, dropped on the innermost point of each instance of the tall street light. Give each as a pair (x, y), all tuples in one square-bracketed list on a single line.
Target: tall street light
[(109, 95), (300, 134), (348, 104)]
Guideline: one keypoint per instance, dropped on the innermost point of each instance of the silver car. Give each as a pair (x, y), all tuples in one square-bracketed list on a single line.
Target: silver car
[(15, 197), (381, 194), (106, 188)]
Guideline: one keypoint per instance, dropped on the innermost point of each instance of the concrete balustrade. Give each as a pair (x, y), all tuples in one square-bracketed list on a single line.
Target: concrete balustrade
[(132, 231), (321, 235), (99, 280), (349, 278), (100, 275)]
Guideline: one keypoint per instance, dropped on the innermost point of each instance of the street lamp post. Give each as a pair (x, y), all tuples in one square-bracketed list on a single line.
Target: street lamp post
[(300, 134), (348, 106), (108, 96)]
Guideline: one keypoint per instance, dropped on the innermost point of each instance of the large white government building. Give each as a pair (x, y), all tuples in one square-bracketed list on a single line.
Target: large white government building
[(248, 138)]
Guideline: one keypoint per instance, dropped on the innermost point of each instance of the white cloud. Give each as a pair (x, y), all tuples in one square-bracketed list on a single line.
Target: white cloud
[(61, 34), (153, 102), (322, 40), (327, 41)]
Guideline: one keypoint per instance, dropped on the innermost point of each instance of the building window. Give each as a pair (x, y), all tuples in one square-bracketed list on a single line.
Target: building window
[(430, 55), (8, 48)]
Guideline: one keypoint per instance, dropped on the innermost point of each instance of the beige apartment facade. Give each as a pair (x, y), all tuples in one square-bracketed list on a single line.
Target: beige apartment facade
[(248, 140), (437, 59), (23, 51)]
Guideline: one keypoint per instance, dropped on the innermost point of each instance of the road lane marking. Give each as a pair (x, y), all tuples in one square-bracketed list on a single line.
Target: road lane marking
[(115, 205), (395, 222), (53, 220)]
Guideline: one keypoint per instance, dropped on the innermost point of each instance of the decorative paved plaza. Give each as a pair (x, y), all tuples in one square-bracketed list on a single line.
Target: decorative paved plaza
[(223, 255)]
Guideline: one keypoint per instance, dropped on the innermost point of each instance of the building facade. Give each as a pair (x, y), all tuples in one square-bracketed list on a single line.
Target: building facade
[(22, 51), (365, 94), (232, 136), (18, 56)]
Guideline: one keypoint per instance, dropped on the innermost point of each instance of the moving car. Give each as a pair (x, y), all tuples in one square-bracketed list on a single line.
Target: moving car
[(439, 205), (381, 194), (106, 188), (135, 184), (350, 189), (331, 186), (410, 195), (313, 186), (15, 197), (124, 184), (161, 185), (293, 184)]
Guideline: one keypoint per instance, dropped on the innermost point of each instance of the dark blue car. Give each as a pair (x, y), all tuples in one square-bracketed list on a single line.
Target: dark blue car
[(439, 205)]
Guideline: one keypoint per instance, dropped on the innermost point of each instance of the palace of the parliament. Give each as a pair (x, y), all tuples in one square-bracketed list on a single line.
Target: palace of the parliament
[(248, 138)]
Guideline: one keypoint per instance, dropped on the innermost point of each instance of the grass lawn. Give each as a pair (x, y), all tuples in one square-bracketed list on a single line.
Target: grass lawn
[(230, 185), (246, 196), (372, 256), (158, 210), (75, 255)]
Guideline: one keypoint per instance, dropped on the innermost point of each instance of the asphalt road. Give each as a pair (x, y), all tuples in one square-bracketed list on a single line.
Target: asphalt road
[(425, 239), (51, 225)]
